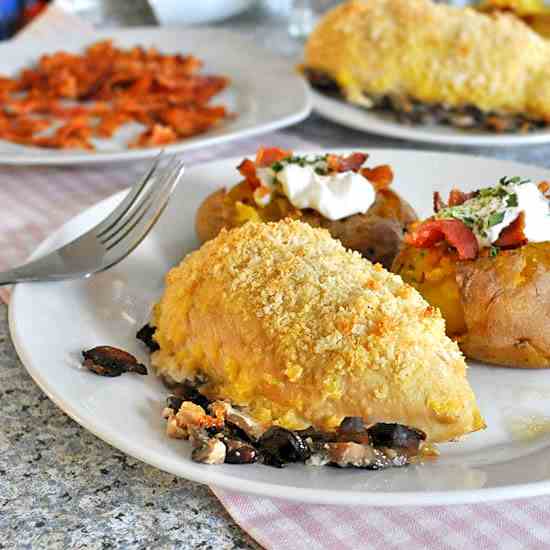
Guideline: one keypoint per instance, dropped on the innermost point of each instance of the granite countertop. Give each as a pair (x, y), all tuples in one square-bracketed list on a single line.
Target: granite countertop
[(60, 486)]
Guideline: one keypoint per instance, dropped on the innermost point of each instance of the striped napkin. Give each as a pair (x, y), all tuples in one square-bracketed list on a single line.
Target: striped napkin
[(35, 201)]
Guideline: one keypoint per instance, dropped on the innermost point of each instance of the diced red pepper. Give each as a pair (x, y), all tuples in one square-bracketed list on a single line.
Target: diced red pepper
[(455, 232), (514, 234)]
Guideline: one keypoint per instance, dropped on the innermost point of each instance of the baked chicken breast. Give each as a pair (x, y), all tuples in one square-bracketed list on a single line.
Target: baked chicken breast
[(435, 54), (281, 319)]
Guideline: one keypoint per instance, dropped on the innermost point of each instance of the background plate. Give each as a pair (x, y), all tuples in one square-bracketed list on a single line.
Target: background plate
[(355, 117), (254, 95), (52, 322)]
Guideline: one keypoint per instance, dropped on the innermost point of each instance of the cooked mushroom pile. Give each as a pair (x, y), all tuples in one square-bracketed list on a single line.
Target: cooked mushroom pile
[(409, 111), (221, 433)]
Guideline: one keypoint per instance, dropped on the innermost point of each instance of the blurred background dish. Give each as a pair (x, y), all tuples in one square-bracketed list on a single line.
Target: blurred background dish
[(191, 12)]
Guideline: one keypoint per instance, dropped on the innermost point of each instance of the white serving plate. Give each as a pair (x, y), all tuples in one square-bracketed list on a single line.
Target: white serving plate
[(374, 122), (50, 324), (254, 95)]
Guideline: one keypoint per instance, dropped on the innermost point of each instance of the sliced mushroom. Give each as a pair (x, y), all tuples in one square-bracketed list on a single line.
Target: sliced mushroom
[(239, 452), (110, 361), (252, 428), (397, 437), (211, 451), (361, 456)]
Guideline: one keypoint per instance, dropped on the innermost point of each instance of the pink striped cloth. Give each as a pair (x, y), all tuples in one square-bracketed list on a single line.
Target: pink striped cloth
[(281, 525), (36, 201)]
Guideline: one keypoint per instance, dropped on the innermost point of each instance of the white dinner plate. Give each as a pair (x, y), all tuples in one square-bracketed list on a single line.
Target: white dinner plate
[(384, 124), (265, 92), (51, 322)]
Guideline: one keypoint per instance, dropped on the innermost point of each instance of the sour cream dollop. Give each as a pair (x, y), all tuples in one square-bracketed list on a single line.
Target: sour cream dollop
[(306, 184), (495, 208)]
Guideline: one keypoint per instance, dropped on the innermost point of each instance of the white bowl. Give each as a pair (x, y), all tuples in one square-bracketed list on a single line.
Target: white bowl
[(192, 12)]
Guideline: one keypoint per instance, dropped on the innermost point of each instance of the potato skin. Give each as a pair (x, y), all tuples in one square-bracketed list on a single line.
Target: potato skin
[(211, 216), (497, 308), (377, 234)]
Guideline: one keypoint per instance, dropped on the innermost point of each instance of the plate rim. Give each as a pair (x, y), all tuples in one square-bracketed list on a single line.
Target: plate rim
[(327, 107), (207, 475), (34, 158)]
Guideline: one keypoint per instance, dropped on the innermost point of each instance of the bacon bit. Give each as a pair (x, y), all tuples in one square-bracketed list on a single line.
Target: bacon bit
[(353, 162), (110, 123), (119, 86), (455, 232), (458, 197), (438, 202), (381, 176), (513, 235), (248, 170), (270, 155), (154, 136)]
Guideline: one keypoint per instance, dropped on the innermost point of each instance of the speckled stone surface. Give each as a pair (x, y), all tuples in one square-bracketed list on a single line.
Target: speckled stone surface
[(62, 487)]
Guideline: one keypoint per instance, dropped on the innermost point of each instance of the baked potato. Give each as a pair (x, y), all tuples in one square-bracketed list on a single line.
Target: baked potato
[(376, 234), (497, 308), (496, 304)]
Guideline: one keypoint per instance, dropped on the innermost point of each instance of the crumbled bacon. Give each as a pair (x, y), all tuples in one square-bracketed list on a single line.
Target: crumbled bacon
[(266, 156), (457, 197), (162, 92), (353, 162), (513, 235), (438, 203), (455, 232), (247, 168), (380, 177)]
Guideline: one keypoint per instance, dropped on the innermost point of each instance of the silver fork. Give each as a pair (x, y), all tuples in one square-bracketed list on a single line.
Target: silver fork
[(111, 240)]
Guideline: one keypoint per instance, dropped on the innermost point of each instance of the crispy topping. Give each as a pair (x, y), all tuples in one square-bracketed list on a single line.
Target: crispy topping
[(109, 361)]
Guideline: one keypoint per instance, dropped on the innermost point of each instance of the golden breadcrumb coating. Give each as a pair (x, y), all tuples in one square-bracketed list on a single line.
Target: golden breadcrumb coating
[(281, 318), (434, 53)]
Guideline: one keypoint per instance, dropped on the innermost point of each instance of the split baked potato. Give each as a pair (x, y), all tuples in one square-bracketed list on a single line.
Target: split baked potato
[(496, 306), (376, 234)]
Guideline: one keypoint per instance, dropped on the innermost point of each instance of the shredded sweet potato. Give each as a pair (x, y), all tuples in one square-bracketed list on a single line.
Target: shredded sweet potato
[(67, 99)]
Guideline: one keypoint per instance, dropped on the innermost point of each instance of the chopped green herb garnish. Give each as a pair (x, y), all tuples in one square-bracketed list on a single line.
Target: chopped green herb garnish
[(495, 218), (493, 252), (512, 200)]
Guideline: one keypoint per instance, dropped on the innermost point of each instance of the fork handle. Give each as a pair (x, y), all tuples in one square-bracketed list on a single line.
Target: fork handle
[(42, 269), (13, 276)]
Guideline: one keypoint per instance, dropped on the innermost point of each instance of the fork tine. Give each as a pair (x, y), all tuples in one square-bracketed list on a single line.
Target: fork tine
[(139, 227), (116, 215), (136, 209), (145, 202)]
